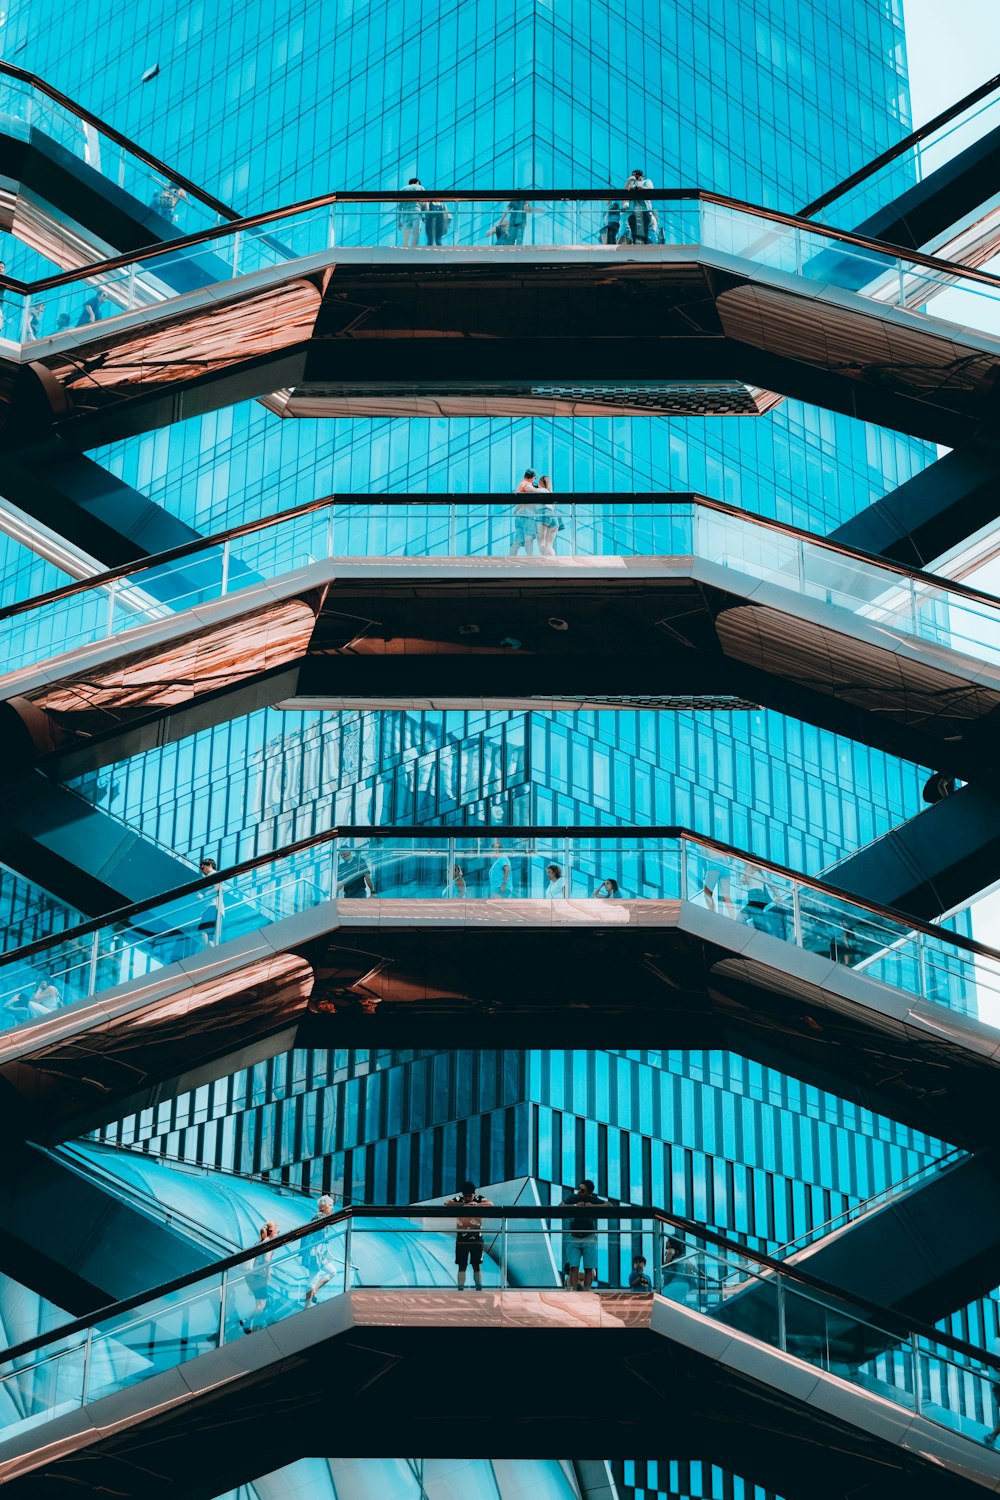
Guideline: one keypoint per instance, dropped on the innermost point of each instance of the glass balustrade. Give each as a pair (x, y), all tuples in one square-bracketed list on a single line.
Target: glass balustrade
[(891, 1194), (555, 879), (29, 114), (312, 233), (896, 605), (630, 1257), (80, 966), (849, 209), (830, 1333)]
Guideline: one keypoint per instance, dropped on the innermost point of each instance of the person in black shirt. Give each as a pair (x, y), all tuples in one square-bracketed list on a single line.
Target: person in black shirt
[(581, 1242), (354, 878)]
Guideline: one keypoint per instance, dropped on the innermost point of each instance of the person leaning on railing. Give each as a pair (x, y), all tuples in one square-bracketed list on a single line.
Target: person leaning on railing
[(581, 1241)]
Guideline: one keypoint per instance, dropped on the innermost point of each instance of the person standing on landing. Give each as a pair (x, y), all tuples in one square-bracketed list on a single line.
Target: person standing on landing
[(640, 210), (581, 1241), (547, 520), (469, 1246), (525, 529)]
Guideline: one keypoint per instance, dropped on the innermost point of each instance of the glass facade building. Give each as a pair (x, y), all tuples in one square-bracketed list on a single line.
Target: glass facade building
[(263, 106)]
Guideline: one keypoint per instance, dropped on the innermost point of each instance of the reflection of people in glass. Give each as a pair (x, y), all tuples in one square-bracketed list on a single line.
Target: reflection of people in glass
[(991, 1438), (455, 885), (317, 1253), (500, 880), (611, 228), (40, 1001), (608, 890), (676, 1266), (556, 887), (167, 202), (210, 921), (509, 228), (354, 878), (259, 1280), (758, 897), (715, 889)]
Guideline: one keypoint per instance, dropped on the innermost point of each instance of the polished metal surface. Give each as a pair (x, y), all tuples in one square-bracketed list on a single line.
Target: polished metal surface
[(436, 632)]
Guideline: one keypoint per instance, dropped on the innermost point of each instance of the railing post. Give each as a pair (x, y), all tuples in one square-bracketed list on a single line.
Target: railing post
[(130, 300), (779, 1284), (223, 1298), (452, 529), (348, 1249), (918, 1400), (683, 872), (329, 531), (922, 965), (110, 623), (92, 965), (87, 1351), (657, 1255), (217, 933), (236, 253), (503, 1254), (224, 583), (902, 283), (797, 915), (573, 531)]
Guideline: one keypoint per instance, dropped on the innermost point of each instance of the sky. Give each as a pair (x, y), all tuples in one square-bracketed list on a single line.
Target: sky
[(952, 48)]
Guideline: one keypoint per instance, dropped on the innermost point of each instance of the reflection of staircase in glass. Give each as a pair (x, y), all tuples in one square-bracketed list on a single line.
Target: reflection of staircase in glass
[(392, 1270)]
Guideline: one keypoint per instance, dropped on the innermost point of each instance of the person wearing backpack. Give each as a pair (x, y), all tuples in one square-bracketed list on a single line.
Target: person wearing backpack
[(469, 1244)]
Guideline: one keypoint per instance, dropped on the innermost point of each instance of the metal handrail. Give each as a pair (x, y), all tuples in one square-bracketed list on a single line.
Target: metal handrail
[(378, 832), (886, 1319), (23, 76), (868, 1205), (453, 196), (913, 139), (679, 498)]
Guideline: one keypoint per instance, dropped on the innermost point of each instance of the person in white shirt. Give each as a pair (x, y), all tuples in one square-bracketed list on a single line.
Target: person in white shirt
[(557, 882), (640, 210), (409, 218)]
